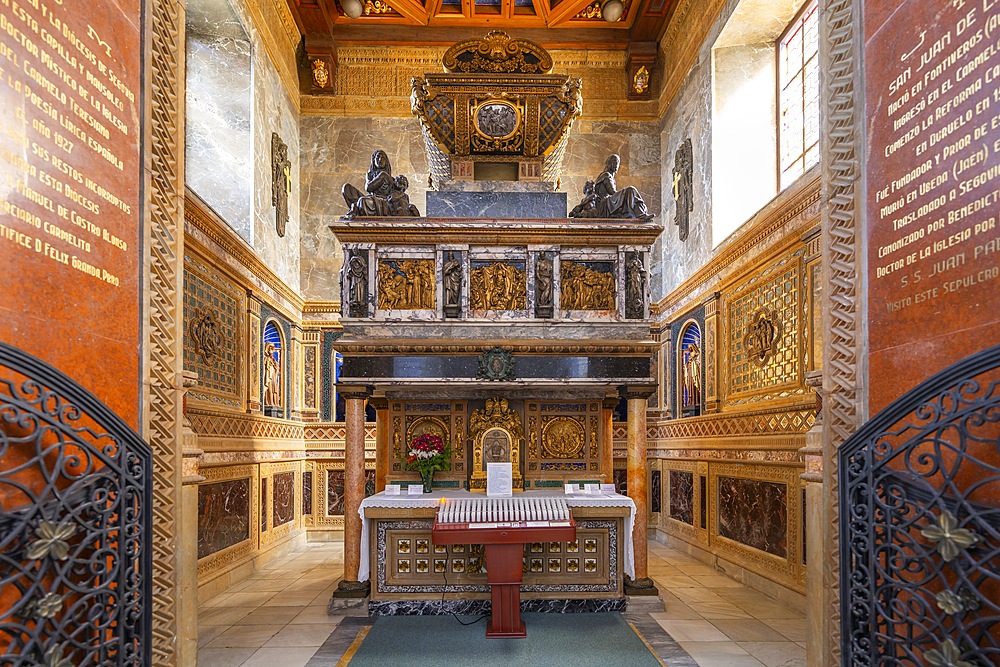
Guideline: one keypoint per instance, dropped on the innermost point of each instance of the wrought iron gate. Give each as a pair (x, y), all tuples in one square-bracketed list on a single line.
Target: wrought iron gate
[(75, 522), (920, 524)]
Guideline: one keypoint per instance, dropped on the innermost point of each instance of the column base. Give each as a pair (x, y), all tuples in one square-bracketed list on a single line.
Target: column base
[(641, 586), (352, 589)]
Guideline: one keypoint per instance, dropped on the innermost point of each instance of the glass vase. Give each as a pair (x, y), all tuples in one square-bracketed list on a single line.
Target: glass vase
[(427, 479)]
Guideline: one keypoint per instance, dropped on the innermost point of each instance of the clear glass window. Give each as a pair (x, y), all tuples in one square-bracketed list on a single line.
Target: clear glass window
[(798, 95)]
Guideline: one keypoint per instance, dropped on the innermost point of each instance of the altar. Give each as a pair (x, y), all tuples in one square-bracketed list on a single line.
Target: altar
[(505, 329), (408, 570)]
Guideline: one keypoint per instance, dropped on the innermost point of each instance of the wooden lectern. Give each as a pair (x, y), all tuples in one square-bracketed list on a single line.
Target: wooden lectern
[(503, 526)]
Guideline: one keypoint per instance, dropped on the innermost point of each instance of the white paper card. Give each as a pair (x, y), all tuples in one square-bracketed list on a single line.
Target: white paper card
[(572, 488), (392, 489), (592, 489), (499, 480), (608, 489), (415, 490)]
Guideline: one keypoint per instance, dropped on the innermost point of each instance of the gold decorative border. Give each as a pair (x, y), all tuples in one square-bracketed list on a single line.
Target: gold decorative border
[(796, 418), (281, 533), (246, 549)]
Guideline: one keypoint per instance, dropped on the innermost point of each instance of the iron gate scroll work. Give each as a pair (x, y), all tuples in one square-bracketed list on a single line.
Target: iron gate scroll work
[(920, 536), (75, 522)]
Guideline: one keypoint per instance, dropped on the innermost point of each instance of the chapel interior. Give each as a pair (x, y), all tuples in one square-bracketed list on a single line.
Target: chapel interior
[(635, 249)]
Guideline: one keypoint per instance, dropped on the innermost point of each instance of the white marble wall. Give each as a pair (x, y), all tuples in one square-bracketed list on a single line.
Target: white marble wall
[(235, 101)]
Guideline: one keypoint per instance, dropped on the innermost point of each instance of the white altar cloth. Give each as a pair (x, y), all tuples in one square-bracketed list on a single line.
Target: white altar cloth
[(432, 500)]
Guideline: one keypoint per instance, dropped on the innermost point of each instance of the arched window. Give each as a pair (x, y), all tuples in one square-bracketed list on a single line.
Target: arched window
[(272, 364), (690, 381)]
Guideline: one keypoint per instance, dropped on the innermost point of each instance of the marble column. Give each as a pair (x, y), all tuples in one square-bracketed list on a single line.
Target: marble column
[(354, 488), (381, 406), (637, 395), (608, 439)]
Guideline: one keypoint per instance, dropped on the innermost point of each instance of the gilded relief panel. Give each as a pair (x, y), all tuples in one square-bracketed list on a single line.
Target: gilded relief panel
[(764, 318), (445, 419), (563, 440), (500, 285), (213, 333), (406, 284), (587, 285)]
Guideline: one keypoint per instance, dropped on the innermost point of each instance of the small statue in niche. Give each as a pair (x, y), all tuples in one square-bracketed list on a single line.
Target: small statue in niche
[(281, 182), (386, 195), (692, 376), (543, 286), (635, 286), (683, 187), (272, 376), (357, 284), (452, 276), (608, 201)]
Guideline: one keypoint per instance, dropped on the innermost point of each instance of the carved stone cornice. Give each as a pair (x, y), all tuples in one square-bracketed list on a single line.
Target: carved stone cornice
[(422, 346), (200, 216), (487, 231)]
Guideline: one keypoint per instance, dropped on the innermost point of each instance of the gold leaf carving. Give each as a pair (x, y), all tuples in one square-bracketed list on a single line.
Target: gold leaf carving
[(498, 286), (562, 438)]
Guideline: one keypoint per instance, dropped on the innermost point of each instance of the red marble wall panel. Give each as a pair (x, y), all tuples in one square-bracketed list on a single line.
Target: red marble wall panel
[(932, 90), (70, 175)]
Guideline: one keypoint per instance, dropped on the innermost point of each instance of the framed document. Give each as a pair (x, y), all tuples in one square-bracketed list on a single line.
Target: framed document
[(499, 480)]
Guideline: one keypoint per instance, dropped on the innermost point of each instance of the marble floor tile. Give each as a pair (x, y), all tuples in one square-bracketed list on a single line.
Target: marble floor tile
[(720, 654), (692, 630), (223, 657), (286, 599), (768, 610), (697, 594), (222, 615), (719, 610), (672, 581), (251, 598), (748, 630), (790, 628), (244, 636), (776, 654), (302, 634), (280, 657), (269, 615), (677, 611), (207, 633), (716, 581), (316, 614)]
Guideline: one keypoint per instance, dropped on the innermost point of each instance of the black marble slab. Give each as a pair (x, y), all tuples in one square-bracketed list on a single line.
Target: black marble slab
[(537, 368), (506, 205), (478, 607), (223, 515)]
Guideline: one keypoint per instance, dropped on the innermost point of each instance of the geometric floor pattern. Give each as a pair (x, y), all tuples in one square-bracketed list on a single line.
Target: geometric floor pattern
[(278, 617)]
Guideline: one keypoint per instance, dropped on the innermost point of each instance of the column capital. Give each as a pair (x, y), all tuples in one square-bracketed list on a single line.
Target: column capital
[(609, 403), (379, 402), (630, 391), (355, 391)]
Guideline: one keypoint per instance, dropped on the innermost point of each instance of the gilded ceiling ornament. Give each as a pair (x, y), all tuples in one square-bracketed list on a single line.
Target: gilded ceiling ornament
[(496, 364), (592, 11), (762, 336), (562, 438), (640, 82), (205, 334), (320, 73), (498, 53), (376, 7)]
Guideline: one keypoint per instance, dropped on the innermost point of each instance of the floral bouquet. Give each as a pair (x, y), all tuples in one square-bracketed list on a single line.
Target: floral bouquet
[(428, 453)]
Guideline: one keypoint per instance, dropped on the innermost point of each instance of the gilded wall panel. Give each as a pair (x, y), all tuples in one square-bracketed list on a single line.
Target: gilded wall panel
[(563, 441), (283, 498), (213, 334), (763, 320)]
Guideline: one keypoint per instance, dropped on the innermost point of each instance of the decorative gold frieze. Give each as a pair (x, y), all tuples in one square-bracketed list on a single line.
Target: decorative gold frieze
[(586, 288), (497, 53), (498, 286)]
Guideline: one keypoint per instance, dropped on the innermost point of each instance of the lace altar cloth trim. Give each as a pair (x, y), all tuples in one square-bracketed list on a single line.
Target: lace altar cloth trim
[(432, 500)]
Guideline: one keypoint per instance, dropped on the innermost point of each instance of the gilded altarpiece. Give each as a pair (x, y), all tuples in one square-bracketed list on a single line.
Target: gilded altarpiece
[(213, 334), (445, 419), (765, 320), (563, 442), (496, 434), (497, 286)]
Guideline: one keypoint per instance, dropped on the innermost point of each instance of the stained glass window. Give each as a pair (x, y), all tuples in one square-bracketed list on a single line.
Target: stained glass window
[(798, 95)]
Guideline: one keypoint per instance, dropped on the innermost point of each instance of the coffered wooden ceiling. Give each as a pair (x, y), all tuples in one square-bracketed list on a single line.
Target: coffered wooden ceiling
[(551, 23)]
